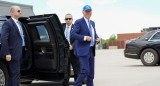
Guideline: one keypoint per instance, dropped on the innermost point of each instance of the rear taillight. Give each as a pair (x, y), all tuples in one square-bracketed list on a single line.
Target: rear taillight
[(126, 44)]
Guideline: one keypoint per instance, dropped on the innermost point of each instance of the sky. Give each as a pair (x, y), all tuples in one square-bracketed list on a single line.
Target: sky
[(110, 16)]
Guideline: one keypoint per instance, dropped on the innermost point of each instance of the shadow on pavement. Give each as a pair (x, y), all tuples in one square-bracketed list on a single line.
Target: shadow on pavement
[(140, 66), (46, 84)]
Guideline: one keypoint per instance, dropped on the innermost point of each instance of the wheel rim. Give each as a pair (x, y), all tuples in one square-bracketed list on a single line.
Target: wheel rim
[(149, 57), (2, 78)]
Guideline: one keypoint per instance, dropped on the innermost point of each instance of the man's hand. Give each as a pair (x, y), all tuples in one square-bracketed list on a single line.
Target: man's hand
[(8, 57), (88, 38), (70, 47), (97, 40)]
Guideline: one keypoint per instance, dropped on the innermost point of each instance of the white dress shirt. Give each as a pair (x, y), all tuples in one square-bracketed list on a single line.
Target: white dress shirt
[(69, 31), (89, 30), (16, 24)]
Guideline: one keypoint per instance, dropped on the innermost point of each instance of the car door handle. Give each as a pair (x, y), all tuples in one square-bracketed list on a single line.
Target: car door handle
[(43, 50)]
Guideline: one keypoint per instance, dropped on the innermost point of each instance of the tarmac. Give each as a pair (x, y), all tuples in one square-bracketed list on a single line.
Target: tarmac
[(113, 69)]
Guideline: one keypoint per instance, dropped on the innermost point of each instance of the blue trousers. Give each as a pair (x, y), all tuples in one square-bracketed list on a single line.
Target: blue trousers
[(87, 64), (14, 73)]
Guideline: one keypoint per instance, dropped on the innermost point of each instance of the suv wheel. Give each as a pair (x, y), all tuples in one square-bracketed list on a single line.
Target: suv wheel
[(3, 74), (149, 57)]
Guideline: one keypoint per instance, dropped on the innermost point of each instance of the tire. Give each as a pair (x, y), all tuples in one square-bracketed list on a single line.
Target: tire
[(3, 74), (149, 57)]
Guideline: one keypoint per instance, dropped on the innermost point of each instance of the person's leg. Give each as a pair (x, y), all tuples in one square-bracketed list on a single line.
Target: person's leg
[(84, 61), (9, 80), (75, 64), (14, 73), (90, 76)]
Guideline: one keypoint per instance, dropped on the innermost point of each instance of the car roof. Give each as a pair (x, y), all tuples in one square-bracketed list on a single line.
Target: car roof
[(148, 34)]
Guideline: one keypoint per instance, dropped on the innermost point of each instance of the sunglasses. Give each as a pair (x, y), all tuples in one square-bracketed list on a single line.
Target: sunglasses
[(68, 18), (19, 11)]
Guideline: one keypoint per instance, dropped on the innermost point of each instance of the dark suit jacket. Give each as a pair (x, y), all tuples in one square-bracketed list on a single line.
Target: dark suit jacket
[(11, 41), (71, 40), (80, 30)]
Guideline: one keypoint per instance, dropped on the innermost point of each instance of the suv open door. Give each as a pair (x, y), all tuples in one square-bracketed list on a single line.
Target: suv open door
[(50, 48), (47, 51)]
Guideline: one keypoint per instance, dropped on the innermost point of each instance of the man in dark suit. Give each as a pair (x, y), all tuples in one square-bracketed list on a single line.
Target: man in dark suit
[(12, 42), (68, 27), (86, 38)]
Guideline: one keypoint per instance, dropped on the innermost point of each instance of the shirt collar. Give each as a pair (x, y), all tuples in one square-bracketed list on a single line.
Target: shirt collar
[(69, 25), (14, 20), (86, 19)]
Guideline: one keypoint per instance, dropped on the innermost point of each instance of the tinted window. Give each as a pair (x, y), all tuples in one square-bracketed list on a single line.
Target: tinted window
[(42, 31), (156, 36), (146, 36)]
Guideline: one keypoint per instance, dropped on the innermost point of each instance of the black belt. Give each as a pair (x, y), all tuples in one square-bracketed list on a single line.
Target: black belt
[(23, 47)]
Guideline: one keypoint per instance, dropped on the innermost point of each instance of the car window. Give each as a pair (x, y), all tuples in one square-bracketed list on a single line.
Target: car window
[(42, 31), (156, 36), (146, 36)]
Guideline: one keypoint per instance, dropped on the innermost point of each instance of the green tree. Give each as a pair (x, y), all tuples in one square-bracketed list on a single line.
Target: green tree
[(103, 41), (112, 38)]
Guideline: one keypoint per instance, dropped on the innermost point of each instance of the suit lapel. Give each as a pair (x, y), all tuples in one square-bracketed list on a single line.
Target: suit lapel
[(14, 24), (85, 24), (71, 28), (70, 33), (64, 27)]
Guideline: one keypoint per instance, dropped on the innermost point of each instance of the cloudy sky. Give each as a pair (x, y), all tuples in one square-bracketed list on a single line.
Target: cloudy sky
[(110, 16)]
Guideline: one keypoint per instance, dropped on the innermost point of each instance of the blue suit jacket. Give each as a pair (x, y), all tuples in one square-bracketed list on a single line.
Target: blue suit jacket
[(11, 41), (80, 30)]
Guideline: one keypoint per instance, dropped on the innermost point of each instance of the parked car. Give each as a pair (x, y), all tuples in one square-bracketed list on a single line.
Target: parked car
[(128, 41), (47, 51), (146, 48)]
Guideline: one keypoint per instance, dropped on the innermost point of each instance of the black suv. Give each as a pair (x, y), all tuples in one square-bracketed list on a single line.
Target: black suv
[(47, 53)]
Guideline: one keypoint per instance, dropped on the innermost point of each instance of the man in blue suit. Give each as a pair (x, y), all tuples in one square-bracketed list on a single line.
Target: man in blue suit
[(12, 43), (86, 38)]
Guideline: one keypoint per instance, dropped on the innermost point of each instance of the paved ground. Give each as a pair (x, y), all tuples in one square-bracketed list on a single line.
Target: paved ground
[(113, 69)]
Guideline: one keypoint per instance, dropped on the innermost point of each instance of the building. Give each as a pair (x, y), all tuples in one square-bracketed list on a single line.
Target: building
[(27, 10), (128, 36), (149, 29), (121, 38)]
